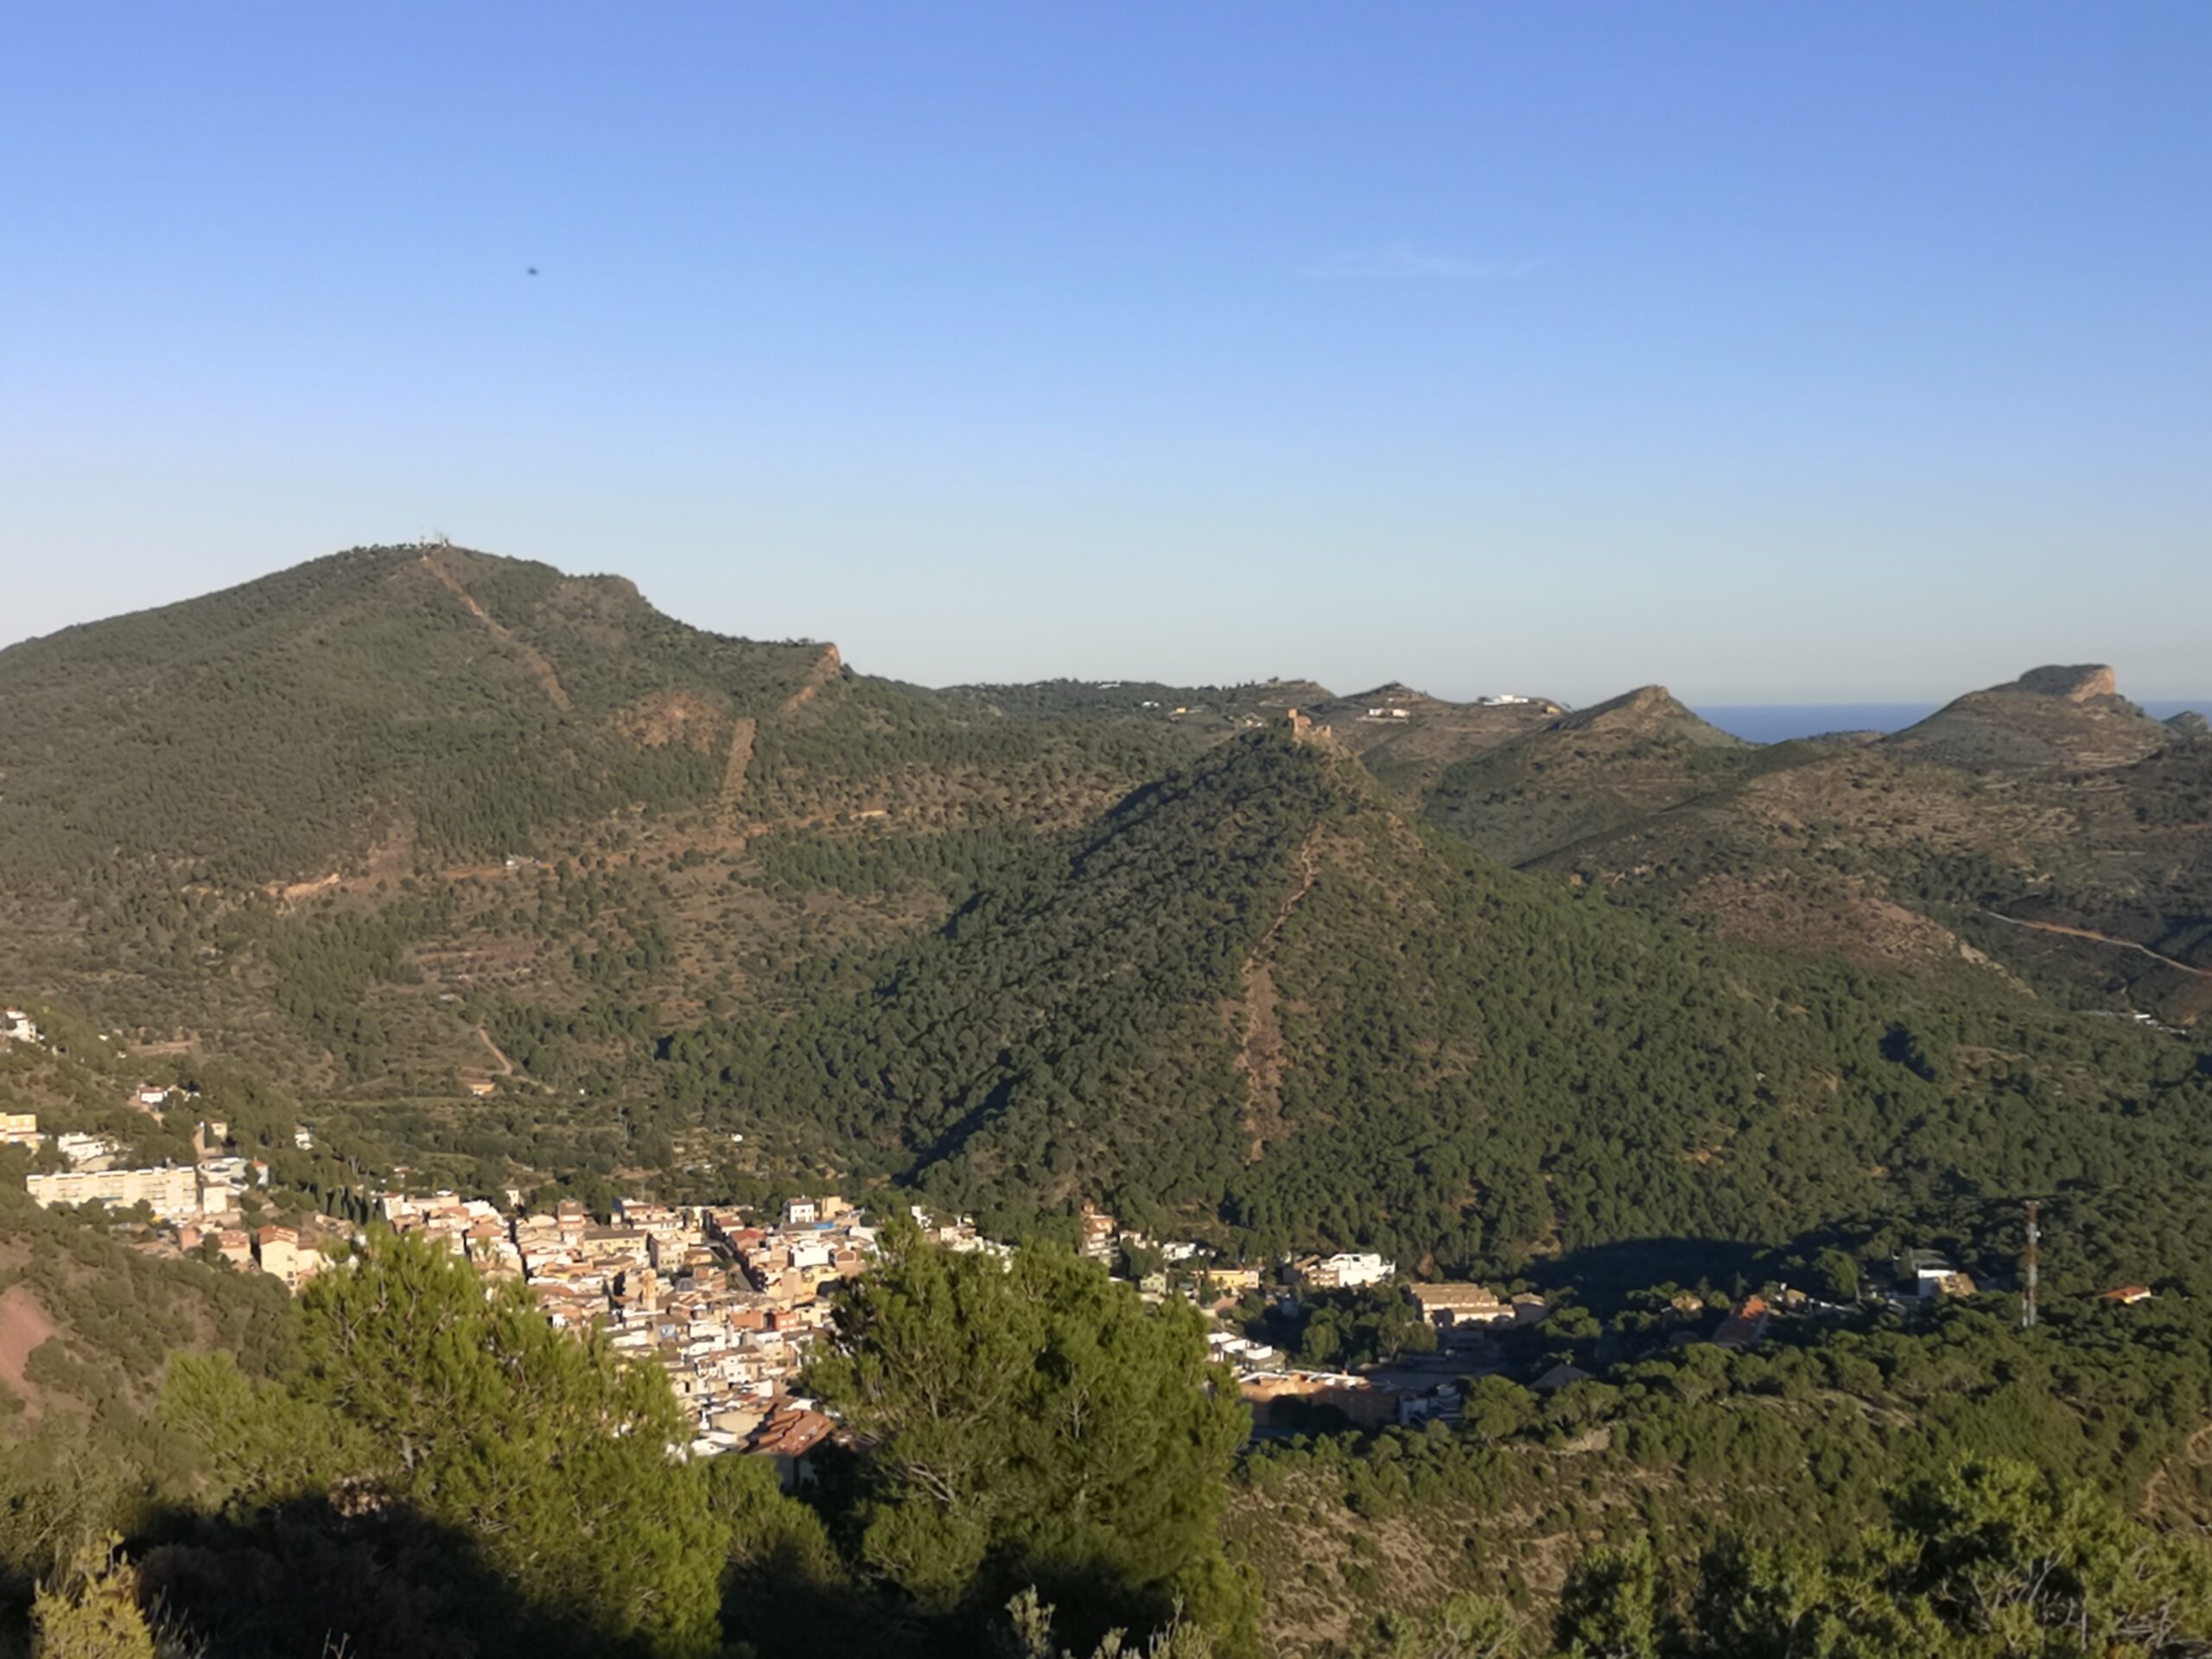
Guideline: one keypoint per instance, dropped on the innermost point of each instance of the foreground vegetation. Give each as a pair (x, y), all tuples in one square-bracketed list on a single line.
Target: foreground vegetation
[(1039, 1459)]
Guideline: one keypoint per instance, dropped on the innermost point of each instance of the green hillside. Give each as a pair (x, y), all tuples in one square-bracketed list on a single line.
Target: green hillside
[(1585, 774), (339, 819), (1254, 1000)]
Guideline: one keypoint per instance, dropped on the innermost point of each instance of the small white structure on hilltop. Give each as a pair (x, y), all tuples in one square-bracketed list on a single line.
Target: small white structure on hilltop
[(1503, 699), (15, 1027)]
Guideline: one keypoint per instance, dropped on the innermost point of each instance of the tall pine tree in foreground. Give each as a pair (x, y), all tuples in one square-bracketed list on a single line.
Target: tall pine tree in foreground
[(1034, 1422), (554, 1461)]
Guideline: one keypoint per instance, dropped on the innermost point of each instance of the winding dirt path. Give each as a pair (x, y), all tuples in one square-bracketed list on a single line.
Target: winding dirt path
[(824, 670), (499, 1055), (2104, 938)]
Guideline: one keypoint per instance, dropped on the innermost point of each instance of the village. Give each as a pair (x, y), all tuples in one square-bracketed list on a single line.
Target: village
[(729, 1303)]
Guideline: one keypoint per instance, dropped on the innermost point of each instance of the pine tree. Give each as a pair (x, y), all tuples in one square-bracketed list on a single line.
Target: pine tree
[(1035, 1422)]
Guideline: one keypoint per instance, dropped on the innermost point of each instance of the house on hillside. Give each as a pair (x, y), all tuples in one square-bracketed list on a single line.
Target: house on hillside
[(791, 1435), (1345, 1270), (15, 1027), (1931, 1274), (1446, 1305), (283, 1257), (1746, 1326), (82, 1150), (18, 1129)]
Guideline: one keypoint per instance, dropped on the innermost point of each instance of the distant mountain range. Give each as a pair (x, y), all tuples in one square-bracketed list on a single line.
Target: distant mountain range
[(1474, 981)]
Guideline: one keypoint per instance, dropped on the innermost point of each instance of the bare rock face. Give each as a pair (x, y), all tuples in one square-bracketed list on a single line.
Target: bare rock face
[(2077, 684)]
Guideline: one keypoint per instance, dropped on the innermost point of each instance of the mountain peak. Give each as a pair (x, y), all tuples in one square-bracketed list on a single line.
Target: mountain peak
[(2059, 714), (2076, 684), (1647, 707)]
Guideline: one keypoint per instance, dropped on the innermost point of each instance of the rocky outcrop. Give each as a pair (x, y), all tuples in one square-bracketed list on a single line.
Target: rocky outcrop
[(2077, 684)]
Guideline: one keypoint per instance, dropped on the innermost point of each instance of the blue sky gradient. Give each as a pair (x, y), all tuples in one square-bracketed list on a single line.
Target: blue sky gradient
[(1773, 352)]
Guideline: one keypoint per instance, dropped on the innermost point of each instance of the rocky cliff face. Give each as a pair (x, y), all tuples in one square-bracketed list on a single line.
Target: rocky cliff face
[(2077, 684)]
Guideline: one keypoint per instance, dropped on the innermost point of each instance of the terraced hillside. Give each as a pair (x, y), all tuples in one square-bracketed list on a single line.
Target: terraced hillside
[(1258, 1000)]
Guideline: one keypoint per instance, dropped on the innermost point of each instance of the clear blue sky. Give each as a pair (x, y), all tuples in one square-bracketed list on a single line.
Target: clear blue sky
[(1770, 351)]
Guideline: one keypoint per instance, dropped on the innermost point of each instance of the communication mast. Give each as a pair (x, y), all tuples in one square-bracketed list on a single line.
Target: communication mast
[(2028, 1296)]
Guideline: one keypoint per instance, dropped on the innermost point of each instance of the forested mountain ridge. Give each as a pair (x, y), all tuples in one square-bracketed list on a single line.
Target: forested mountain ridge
[(1257, 1000), (411, 817), (338, 818), (277, 729), (1583, 774), (1270, 985)]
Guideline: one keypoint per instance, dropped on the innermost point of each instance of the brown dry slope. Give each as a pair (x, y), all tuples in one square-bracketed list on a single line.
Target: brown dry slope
[(23, 1326)]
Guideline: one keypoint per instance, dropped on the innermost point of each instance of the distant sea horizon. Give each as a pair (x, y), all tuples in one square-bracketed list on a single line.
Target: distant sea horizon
[(1778, 722)]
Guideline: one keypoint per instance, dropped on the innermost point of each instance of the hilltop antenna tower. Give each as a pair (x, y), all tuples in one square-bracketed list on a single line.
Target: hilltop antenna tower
[(2027, 1296)]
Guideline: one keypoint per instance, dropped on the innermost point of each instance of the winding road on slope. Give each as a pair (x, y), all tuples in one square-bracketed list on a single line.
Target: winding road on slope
[(2061, 929)]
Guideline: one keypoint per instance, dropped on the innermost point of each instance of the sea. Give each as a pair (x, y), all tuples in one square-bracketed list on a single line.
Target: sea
[(1777, 723)]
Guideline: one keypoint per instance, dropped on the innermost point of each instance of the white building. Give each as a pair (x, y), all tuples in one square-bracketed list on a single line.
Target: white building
[(169, 1193), (79, 1149), (1346, 1270)]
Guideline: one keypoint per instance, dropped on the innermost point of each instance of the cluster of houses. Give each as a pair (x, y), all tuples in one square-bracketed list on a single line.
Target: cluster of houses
[(727, 1305), (202, 1200), (292, 1255)]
